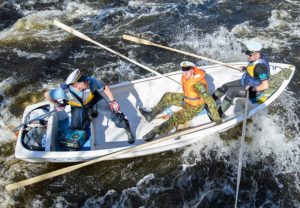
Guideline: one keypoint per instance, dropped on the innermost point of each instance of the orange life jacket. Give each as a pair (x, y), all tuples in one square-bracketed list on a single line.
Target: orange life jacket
[(191, 96)]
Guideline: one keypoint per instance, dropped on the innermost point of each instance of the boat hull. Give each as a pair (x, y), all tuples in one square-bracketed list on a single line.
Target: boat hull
[(106, 138)]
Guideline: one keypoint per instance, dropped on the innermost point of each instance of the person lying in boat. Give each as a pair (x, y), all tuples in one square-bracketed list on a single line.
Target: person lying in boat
[(193, 99), (255, 79), (81, 93)]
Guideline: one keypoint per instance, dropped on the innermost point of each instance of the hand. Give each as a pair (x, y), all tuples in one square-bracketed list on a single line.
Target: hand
[(243, 68), (114, 106), (60, 107)]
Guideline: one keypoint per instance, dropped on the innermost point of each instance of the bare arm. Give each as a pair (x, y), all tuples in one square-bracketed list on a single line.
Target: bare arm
[(263, 86), (47, 96), (108, 92)]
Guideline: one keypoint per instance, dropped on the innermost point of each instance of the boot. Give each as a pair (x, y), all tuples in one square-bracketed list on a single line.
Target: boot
[(147, 115), (224, 107), (215, 97), (150, 135), (92, 113), (131, 138), (217, 94)]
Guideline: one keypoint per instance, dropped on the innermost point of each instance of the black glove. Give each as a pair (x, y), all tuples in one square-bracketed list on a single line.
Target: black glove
[(252, 92), (251, 89)]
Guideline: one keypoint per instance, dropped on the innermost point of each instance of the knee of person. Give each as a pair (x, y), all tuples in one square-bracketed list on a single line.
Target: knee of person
[(230, 94), (168, 94), (223, 88)]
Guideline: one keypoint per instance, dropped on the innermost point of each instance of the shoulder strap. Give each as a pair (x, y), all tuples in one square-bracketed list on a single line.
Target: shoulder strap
[(77, 97), (64, 86)]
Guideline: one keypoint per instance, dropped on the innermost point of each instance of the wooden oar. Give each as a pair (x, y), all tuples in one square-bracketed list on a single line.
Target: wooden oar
[(81, 35), (146, 42), (109, 156), (241, 149)]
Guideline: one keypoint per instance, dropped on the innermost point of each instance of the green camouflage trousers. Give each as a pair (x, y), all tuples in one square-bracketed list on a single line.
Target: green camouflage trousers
[(187, 112)]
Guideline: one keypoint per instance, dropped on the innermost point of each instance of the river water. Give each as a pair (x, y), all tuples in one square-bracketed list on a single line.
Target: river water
[(36, 56)]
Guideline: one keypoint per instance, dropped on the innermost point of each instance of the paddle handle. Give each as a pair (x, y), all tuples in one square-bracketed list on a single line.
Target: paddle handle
[(81, 35), (146, 42)]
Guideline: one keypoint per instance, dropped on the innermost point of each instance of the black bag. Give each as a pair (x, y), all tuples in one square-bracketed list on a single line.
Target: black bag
[(34, 139)]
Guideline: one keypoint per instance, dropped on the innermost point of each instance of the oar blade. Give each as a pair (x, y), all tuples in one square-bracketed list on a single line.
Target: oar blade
[(137, 40), (71, 30)]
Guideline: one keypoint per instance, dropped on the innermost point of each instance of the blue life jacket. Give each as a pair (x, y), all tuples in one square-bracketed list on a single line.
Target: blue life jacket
[(248, 78)]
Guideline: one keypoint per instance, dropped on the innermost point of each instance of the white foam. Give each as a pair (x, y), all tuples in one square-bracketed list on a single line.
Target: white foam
[(38, 24), (138, 3), (277, 19), (143, 190), (121, 69), (28, 55), (221, 45), (4, 84), (6, 134), (61, 202), (269, 140), (280, 22)]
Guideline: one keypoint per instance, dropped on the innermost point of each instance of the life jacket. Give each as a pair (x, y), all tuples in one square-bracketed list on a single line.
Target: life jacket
[(74, 100), (191, 96), (248, 78)]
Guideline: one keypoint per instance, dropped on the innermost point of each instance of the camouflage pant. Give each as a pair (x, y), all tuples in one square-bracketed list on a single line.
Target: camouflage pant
[(187, 113)]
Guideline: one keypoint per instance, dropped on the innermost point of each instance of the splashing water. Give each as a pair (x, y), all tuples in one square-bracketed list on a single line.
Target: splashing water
[(202, 175), (221, 45)]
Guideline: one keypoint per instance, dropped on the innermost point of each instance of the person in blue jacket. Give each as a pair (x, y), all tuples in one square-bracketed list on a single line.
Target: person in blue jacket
[(255, 79), (82, 93)]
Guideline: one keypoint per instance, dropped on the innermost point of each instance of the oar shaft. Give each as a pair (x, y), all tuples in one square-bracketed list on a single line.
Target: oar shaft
[(240, 165), (81, 35), (146, 42)]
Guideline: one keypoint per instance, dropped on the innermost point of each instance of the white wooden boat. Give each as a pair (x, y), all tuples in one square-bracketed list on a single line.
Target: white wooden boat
[(105, 138)]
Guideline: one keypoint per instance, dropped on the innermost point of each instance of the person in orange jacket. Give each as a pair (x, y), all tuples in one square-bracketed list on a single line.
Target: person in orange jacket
[(193, 99)]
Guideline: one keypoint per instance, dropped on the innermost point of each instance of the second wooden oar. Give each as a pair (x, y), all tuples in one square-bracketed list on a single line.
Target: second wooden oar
[(146, 42), (109, 156), (83, 36), (238, 180)]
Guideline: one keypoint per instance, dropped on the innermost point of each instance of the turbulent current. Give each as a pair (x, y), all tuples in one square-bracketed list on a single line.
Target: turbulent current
[(36, 56)]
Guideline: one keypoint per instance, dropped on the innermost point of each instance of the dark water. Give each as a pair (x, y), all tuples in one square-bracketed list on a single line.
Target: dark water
[(36, 56)]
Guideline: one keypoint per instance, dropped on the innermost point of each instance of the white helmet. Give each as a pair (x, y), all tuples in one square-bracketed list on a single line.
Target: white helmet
[(186, 65), (253, 46), (74, 77)]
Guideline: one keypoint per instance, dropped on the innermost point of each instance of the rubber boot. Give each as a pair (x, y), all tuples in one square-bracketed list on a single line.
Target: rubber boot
[(147, 115), (131, 138), (224, 107), (150, 135), (217, 94), (92, 113)]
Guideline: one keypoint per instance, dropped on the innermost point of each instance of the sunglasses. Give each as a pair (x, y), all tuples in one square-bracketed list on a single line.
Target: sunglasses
[(249, 53)]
